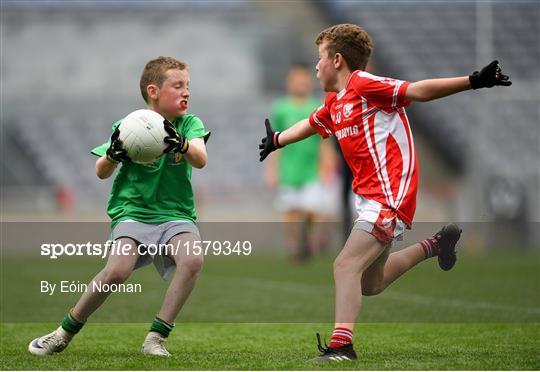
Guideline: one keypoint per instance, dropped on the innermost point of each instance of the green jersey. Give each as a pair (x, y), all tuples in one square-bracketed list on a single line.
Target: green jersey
[(298, 162), (156, 192)]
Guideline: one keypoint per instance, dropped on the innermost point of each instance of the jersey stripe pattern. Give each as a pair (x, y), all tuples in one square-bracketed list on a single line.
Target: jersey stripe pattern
[(369, 121)]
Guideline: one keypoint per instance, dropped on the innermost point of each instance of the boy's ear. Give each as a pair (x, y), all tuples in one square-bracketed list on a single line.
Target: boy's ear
[(152, 91), (338, 60)]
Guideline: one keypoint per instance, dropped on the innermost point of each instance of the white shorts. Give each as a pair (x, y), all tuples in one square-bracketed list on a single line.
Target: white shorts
[(154, 233), (313, 197), (378, 220)]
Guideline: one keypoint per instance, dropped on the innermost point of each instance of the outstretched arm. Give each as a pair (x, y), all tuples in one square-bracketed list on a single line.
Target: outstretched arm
[(297, 132), (427, 90), (274, 140)]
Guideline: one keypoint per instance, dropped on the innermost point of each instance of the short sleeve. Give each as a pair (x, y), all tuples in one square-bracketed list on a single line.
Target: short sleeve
[(321, 121), (195, 129), (384, 93), (102, 149)]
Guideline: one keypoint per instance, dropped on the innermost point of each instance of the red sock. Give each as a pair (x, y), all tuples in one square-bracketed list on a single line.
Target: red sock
[(340, 337), (430, 247)]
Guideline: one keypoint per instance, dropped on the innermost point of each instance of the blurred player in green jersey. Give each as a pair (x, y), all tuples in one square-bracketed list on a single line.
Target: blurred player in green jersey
[(149, 204), (298, 171)]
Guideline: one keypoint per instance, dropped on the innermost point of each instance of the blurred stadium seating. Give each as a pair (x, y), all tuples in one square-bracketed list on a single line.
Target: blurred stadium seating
[(418, 40), (69, 71), (489, 134)]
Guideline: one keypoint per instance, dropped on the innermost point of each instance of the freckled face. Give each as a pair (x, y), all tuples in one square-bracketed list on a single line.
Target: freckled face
[(173, 95)]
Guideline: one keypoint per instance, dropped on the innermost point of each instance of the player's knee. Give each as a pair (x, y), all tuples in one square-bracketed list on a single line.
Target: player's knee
[(192, 264), (339, 265), (116, 275), (343, 266)]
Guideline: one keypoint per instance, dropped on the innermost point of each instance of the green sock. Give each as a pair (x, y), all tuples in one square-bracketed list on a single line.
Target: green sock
[(162, 327), (70, 324)]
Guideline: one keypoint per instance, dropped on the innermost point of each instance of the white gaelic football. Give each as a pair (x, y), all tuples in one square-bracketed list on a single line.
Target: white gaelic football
[(142, 133)]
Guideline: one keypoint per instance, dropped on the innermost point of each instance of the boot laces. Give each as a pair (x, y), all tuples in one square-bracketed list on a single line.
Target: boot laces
[(53, 339), (160, 344), (325, 349)]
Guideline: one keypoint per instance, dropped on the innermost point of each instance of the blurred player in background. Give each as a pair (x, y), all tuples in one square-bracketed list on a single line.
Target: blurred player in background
[(366, 114), (149, 204), (298, 171)]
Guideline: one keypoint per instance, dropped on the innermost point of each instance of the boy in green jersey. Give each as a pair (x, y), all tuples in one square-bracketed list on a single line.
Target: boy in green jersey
[(296, 171), (149, 204)]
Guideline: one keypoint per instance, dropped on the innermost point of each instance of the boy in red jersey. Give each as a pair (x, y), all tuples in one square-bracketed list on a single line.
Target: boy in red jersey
[(366, 113)]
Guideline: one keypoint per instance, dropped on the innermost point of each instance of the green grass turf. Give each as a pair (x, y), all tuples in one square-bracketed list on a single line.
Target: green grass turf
[(266, 289), (209, 346), (259, 312)]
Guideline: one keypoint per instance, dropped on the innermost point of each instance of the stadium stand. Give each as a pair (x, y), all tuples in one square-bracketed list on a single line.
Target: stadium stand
[(71, 69), (416, 40), (62, 109)]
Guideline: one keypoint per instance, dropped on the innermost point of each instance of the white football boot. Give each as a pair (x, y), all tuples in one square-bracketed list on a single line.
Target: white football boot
[(154, 344), (54, 342)]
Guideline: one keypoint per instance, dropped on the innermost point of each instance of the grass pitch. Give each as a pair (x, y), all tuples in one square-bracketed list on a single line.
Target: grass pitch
[(262, 313), (206, 346)]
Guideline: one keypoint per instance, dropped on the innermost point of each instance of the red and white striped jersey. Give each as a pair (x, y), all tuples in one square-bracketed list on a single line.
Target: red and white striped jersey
[(369, 120)]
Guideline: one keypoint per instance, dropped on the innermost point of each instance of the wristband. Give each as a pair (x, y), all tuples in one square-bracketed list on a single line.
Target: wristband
[(276, 139), (114, 162), (473, 80), (185, 148)]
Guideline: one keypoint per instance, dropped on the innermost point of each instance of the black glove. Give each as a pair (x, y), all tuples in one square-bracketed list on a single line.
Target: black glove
[(489, 76), (176, 142), (116, 153), (270, 142)]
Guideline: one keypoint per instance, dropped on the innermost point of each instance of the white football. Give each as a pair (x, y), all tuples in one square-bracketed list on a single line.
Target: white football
[(142, 133)]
